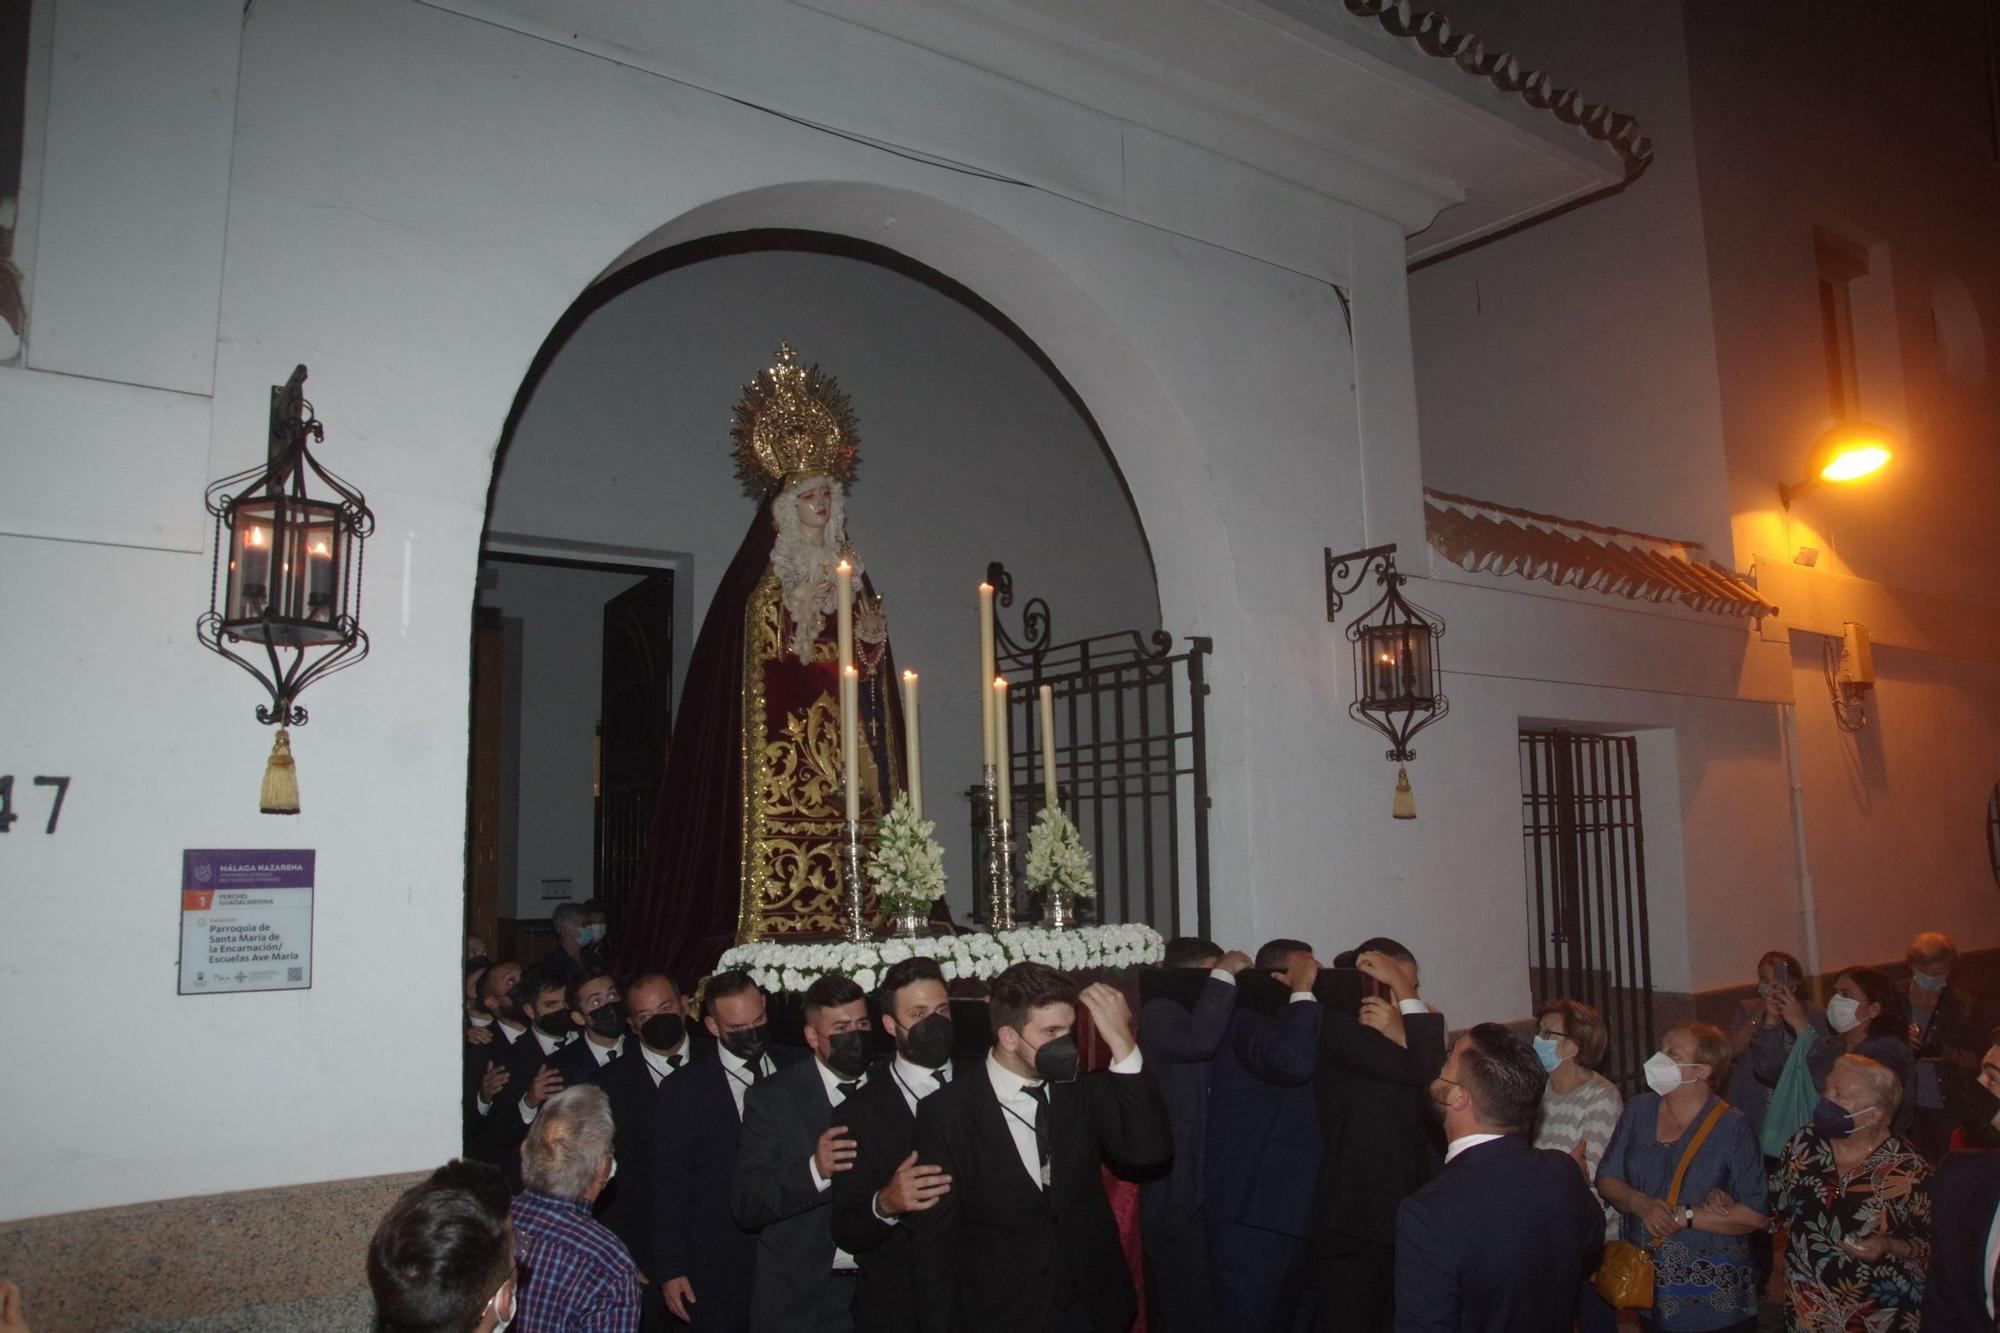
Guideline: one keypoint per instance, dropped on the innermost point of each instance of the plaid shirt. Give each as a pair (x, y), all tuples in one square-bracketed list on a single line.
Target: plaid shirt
[(576, 1276)]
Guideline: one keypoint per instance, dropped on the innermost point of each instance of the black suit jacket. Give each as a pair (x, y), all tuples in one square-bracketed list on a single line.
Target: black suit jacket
[(1964, 1194), (1499, 1242), (1382, 1141), (626, 1205), (1263, 1133), (773, 1195), (694, 1234), (578, 1066), (879, 1121), (997, 1253), (1179, 1041), (503, 1130)]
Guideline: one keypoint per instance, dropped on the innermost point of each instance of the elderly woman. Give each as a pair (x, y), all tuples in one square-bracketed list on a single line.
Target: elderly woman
[(1866, 1015), (1703, 1275), (1855, 1201), (1579, 1111), (1763, 1040)]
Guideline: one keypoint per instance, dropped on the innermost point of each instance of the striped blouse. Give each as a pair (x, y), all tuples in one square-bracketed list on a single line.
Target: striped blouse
[(1587, 1113)]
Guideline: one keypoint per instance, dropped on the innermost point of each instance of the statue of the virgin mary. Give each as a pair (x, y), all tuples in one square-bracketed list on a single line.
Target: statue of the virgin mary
[(747, 838)]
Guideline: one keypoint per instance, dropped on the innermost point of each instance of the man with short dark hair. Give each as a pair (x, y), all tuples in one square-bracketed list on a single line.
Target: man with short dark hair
[(1377, 1060), (486, 1063), (1024, 1238), (576, 1274), (1262, 1149), (597, 1012), (442, 1258), (540, 1001), (702, 1260), (1184, 1015), (887, 1182), (795, 1142), (1501, 1240)]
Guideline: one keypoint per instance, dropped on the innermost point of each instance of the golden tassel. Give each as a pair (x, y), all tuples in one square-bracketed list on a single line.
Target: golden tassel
[(1406, 800), (281, 779)]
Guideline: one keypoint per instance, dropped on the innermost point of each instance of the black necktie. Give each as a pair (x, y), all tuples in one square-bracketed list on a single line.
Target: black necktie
[(846, 1090), (674, 1061), (1041, 1095), (757, 1071), (611, 1055)]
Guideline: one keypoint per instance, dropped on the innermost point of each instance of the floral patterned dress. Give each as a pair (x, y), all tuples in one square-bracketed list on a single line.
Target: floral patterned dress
[(1820, 1205)]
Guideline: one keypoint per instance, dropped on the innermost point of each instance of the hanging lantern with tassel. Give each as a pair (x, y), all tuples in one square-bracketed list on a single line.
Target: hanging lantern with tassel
[(286, 591), (1398, 679)]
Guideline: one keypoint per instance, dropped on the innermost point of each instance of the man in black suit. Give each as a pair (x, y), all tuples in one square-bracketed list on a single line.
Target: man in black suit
[(597, 1012), (541, 1001), (486, 1062), (795, 1142), (1381, 1138), (657, 1048), (1025, 1239), (702, 1260), (1183, 1019), (1500, 1241), (1962, 1290), (887, 1182), (1262, 1151)]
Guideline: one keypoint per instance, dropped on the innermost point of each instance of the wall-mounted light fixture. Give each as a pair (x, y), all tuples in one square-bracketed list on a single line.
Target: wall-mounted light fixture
[(1398, 676), (1847, 452), (287, 578)]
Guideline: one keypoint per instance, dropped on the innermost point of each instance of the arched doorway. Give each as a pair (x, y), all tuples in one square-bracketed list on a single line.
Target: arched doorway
[(615, 470)]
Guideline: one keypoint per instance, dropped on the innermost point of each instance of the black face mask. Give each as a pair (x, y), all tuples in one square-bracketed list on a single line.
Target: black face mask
[(847, 1053), (663, 1032), (748, 1044), (929, 1040), (607, 1020), (1057, 1061), (478, 962), (557, 1025)]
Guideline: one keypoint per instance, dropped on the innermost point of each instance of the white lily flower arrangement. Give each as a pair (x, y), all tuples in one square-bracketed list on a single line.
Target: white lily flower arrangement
[(907, 868), (1057, 859), (793, 967)]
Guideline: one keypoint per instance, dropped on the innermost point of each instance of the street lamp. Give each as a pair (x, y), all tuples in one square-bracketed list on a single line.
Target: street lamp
[(1848, 452)]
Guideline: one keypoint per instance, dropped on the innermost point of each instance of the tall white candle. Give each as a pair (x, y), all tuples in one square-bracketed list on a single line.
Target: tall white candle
[(1003, 760), (913, 754), (986, 672), (843, 611), (1048, 745), (850, 735)]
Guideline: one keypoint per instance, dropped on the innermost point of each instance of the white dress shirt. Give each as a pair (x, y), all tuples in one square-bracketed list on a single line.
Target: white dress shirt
[(1464, 1141), (660, 1065), (739, 1074), (605, 1054), (1010, 1089)]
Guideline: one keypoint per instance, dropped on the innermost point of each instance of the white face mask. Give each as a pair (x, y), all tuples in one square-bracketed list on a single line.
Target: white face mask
[(1663, 1073), (1843, 1013), (482, 1020)]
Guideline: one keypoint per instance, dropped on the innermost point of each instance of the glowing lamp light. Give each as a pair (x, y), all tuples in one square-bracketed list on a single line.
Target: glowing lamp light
[(1851, 451)]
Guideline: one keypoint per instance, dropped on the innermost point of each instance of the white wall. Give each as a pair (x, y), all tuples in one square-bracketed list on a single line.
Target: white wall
[(411, 222), (1570, 368), (969, 453)]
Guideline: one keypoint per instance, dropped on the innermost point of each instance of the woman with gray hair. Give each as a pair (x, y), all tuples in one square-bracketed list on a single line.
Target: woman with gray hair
[(575, 1272), (1854, 1199)]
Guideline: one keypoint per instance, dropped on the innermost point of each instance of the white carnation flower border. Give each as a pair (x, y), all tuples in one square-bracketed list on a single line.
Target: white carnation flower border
[(783, 967)]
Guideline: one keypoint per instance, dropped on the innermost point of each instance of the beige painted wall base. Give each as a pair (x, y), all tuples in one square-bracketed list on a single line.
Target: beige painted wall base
[(153, 1265)]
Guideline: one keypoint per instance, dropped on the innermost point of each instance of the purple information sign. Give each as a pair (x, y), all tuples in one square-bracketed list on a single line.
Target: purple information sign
[(246, 920)]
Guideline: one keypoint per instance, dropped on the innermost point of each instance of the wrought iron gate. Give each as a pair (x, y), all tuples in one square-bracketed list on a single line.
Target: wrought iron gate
[(1585, 856), (1131, 759)]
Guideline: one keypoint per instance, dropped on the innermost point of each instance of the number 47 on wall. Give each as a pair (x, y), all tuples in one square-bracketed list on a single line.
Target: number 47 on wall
[(7, 815)]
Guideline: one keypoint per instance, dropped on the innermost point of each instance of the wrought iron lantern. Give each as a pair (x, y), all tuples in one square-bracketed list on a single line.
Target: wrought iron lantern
[(1398, 676), (285, 600)]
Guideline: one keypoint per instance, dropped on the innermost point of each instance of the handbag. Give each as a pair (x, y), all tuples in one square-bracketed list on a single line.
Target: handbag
[(1625, 1276), (1792, 1100)]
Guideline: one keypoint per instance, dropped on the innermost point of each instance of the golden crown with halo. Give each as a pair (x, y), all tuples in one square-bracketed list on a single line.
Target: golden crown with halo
[(792, 422)]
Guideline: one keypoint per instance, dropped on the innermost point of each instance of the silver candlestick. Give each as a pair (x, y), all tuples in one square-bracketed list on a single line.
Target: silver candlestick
[(1006, 841), (999, 904), (857, 912)]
